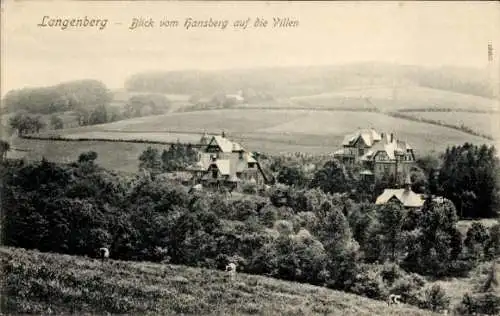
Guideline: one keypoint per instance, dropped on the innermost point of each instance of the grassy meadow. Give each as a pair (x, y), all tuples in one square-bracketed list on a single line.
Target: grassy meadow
[(388, 98), (119, 156), (278, 130), (44, 283), (483, 123)]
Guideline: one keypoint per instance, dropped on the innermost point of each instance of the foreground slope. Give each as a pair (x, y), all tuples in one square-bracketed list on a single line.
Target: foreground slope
[(39, 283)]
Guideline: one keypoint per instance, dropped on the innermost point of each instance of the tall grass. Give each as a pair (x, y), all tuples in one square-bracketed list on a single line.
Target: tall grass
[(43, 283)]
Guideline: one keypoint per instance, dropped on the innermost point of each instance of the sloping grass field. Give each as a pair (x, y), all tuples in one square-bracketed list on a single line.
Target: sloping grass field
[(276, 130), (271, 131), (483, 123), (44, 283), (119, 156), (395, 98)]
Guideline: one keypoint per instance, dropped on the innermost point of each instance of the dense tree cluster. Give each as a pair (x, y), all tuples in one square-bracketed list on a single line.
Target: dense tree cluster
[(176, 158), (26, 123), (146, 104), (86, 100), (59, 98), (468, 177)]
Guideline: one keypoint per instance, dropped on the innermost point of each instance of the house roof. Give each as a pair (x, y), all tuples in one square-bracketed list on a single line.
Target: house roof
[(205, 139), (223, 166), (369, 136), (235, 96), (407, 197), (224, 144), (237, 147), (390, 148)]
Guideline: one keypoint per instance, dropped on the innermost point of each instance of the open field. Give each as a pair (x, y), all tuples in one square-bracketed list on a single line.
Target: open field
[(271, 131), (387, 98), (262, 130), (36, 282), (483, 123), (112, 155)]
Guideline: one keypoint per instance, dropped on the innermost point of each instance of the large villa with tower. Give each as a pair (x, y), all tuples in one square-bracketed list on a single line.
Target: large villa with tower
[(225, 162), (378, 154)]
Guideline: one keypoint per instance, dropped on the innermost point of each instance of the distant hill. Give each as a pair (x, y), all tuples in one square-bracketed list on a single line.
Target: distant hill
[(297, 81), (43, 283)]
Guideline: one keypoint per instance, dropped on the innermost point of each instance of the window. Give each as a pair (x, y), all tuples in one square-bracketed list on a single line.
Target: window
[(361, 151), (241, 155)]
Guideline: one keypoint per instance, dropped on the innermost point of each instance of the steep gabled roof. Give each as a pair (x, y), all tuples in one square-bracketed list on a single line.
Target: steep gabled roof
[(224, 144), (407, 197), (223, 166), (369, 136), (390, 148)]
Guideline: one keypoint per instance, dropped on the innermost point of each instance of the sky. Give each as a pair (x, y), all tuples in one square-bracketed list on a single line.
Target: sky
[(428, 33)]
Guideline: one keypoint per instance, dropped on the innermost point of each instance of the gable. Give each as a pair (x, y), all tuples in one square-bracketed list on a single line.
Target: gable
[(360, 142), (213, 146), (394, 198)]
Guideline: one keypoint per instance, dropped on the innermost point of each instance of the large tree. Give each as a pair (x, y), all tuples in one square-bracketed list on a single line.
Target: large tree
[(468, 178), (331, 178), (4, 148)]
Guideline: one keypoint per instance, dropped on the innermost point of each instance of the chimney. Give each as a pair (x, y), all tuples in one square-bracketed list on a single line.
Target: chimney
[(392, 137), (407, 183), (223, 134)]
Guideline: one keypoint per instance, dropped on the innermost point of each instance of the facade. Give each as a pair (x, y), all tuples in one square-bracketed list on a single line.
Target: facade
[(224, 162), (378, 154)]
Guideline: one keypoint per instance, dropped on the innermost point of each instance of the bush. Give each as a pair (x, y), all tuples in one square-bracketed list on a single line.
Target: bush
[(435, 298), (390, 273), (249, 188), (370, 283), (408, 287), (284, 227), (488, 304), (268, 215)]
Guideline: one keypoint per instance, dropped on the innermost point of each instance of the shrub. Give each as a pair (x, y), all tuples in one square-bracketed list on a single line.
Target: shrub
[(283, 227), (390, 273), (370, 283), (488, 304), (408, 287), (476, 239), (249, 188), (268, 215), (435, 298)]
